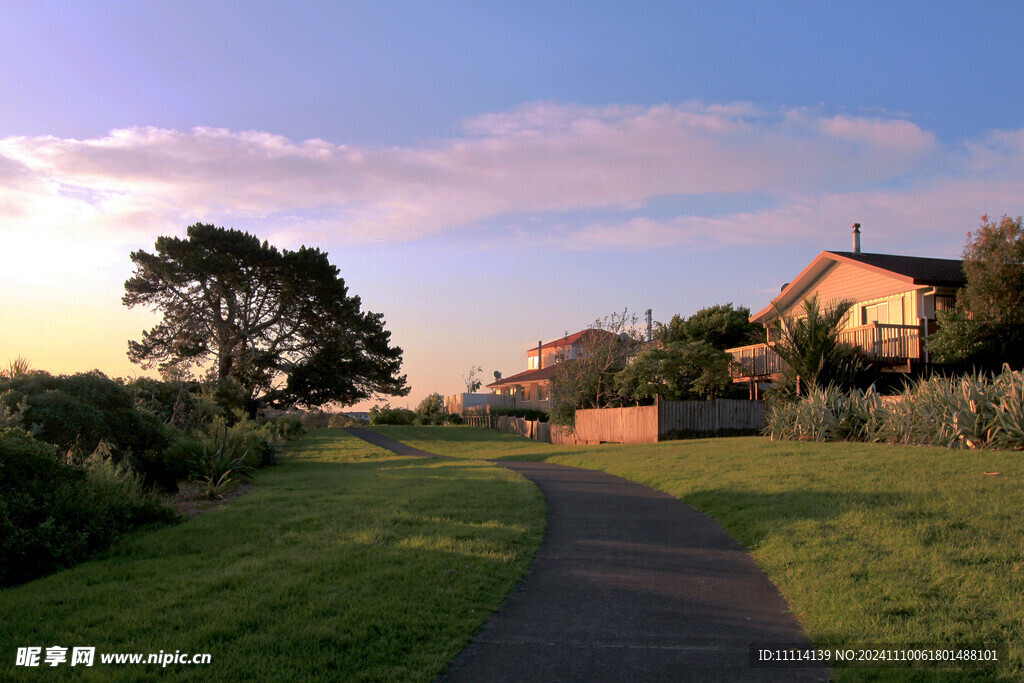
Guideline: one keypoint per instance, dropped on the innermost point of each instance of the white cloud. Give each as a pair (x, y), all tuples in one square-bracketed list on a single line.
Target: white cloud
[(538, 158)]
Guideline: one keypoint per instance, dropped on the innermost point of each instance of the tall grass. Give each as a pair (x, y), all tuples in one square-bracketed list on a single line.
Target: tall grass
[(975, 411)]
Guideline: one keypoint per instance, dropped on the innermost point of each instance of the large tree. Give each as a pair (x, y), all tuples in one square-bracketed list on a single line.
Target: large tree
[(720, 326), (278, 323), (987, 326), (678, 371)]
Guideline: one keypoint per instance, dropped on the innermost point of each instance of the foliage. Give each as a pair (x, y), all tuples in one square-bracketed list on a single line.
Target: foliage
[(974, 412), (279, 323), (54, 514), (987, 327), (386, 415), (809, 344), (680, 371), (221, 464), (344, 421), (720, 326), (431, 411), (472, 383), (15, 368), (76, 412), (531, 414), (588, 381)]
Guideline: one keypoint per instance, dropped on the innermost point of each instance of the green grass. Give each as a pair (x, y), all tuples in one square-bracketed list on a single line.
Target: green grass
[(472, 442), (870, 543), (345, 563)]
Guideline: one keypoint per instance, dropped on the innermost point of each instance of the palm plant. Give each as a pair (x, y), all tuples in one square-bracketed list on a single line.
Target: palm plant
[(809, 344)]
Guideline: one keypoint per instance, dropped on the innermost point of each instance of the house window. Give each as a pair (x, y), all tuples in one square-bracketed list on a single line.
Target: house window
[(945, 303), (542, 392), (526, 392), (876, 313)]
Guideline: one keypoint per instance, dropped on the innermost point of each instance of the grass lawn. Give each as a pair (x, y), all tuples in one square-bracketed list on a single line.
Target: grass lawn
[(870, 543), (345, 563)]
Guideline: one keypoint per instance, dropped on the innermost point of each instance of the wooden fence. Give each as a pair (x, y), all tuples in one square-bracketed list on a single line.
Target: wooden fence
[(645, 424)]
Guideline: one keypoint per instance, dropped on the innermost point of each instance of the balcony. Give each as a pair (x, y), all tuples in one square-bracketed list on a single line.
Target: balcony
[(882, 343)]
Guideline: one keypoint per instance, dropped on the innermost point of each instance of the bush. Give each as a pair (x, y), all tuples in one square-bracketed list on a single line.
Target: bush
[(53, 514), (960, 412), (431, 411), (345, 421), (386, 415), (75, 413), (455, 419), (315, 419), (525, 413)]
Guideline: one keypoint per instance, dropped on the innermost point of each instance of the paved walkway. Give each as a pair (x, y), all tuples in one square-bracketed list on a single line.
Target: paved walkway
[(630, 584)]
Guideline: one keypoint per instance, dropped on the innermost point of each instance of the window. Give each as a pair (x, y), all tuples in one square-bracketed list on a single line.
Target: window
[(875, 313)]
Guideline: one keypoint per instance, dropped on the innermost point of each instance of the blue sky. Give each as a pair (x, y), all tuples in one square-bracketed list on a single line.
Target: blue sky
[(490, 174)]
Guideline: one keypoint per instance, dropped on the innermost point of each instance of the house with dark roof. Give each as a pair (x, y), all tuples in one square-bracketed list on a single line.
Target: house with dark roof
[(895, 302), (532, 388)]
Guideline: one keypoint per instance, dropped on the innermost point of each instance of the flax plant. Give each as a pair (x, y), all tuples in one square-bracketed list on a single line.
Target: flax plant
[(971, 412)]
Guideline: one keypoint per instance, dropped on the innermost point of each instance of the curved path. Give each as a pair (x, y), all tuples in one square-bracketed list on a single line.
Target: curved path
[(629, 584)]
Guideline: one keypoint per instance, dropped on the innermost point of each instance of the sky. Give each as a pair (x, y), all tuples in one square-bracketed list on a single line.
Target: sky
[(491, 174)]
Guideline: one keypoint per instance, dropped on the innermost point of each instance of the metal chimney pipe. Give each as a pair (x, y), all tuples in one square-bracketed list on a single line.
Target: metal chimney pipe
[(540, 354), (856, 238), (650, 325)]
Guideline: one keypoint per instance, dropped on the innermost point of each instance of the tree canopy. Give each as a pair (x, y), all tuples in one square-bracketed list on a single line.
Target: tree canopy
[(987, 325), (720, 326), (679, 371), (279, 324)]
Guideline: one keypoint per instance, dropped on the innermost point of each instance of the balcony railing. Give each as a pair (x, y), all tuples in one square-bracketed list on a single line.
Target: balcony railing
[(881, 342)]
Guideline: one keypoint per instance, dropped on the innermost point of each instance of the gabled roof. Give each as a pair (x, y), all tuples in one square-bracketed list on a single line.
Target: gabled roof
[(914, 270), (568, 340), (544, 374), (932, 272)]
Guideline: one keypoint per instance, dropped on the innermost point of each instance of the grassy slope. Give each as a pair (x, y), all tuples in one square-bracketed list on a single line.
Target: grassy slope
[(345, 563), (869, 543)]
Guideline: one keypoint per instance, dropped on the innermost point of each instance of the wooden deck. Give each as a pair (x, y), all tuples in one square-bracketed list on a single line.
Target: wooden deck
[(885, 344)]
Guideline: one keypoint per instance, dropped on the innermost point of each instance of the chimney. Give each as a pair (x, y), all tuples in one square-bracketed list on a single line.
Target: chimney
[(650, 326), (540, 354), (856, 238)]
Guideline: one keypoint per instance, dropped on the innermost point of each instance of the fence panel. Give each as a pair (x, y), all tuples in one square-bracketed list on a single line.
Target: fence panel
[(709, 417), (618, 425)]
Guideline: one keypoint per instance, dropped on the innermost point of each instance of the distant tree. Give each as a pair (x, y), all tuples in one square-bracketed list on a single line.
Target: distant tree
[(279, 324), (987, 325), (386, 415), (472, 383), (721, 326), (588, 381), (431, 410), (809, 344), (679, 371)]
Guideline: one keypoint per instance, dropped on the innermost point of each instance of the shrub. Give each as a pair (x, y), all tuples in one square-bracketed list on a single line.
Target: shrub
[(386, 415), (455, 419), (343, 420), (431, 411), (315, 419), (525, 413), (53, 514), (973, 411), (76, 412)]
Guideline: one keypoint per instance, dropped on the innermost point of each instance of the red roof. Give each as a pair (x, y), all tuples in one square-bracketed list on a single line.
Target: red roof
[(567, 340)]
